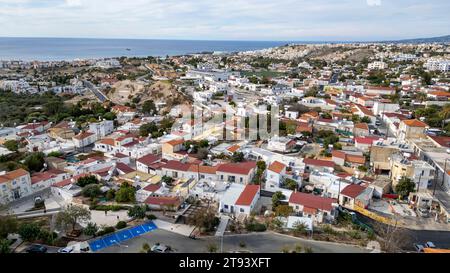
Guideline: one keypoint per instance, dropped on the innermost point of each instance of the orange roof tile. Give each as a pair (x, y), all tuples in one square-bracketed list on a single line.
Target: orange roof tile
[(414, 123), (276, 167)]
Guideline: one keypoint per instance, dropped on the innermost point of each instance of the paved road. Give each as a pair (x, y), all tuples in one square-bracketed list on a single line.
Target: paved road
[(440, 238), (101, 97), (266, 242)]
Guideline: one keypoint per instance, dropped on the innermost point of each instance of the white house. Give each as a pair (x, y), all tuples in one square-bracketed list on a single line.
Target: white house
[(274, 176), (102, 128), (84, 139), (14, 185), (239, 199)]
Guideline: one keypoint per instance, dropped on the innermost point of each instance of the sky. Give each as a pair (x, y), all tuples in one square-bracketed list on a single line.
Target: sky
[(267, 20)]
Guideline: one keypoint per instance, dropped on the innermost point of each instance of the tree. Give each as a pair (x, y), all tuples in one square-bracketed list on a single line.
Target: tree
[(11, 145), (291, 129), (109, 116), (290, 184), (392, 237), (110, 194), (299, 228), (237, 157), (91, 229), (276, 199), (444, 114), (35, 162), (137, 212), (91, 191), (29, 231), (204, 219), (365, 119), (283, 210), (149, 107), (71, 216), (4, 246), (148, 129), (405, 186), (126, 193), (8, 224), (87, 180), (167, 179), (55, 154)]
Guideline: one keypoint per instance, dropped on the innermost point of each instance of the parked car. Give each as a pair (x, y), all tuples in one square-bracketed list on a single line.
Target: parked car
[(418, 247), (36, 249), (430, 245), (160, 248), (67, 249)]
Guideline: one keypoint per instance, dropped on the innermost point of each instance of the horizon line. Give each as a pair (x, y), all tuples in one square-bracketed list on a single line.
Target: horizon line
[(231, 40)]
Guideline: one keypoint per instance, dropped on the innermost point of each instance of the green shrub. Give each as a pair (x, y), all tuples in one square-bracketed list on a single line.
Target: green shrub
[(151, 217), (121, 224), (258, 227), (29, 232), (106, 230), (90, 229), (47, 237)]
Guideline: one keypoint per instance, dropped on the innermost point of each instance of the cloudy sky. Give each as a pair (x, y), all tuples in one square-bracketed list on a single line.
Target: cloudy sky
[(293, 20)]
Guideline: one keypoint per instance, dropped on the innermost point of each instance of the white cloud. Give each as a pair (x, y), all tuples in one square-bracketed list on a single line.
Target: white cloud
[(374, 3), (237, 19), (73, 3)]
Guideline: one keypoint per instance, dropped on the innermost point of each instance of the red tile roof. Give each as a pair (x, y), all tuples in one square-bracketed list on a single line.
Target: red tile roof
[(177, 165), (152, 187), (38, 177), (415, 123), (243, 168), (441, 140), (363, 126), (12, 175), (312, 201), (358, 159), (163, 201), (366, 140), (318, 162), (248, 195), (175, 142), (149, 159), (353, 190), (124, 168), (277, 167)]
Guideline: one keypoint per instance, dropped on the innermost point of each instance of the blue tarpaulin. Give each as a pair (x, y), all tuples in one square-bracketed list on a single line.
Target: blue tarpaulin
[(123, 235)]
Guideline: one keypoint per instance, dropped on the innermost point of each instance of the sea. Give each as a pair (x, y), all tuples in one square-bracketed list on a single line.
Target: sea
[(58, 49)]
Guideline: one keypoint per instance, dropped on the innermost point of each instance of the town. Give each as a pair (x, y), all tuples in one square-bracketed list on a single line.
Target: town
[(297, 148)]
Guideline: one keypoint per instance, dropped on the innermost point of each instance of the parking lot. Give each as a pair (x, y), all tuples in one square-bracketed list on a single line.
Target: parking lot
[(266, 242)]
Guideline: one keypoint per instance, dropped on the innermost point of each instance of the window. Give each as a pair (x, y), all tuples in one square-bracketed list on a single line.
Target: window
[(241, 179), (225, 206), (241, 210)]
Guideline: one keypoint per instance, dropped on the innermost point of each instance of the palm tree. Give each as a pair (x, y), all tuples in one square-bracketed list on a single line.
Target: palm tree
[(445, 113)]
